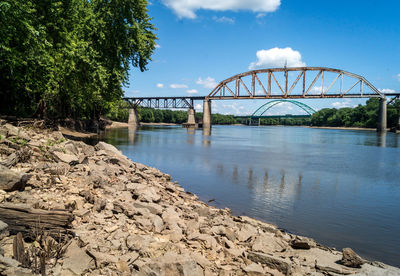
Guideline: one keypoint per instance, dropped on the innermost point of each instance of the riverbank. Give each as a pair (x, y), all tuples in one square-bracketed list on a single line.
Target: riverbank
[(127, 218), (344, 128)]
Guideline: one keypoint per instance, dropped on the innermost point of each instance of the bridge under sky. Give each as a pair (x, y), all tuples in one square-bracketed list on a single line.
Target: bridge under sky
[(195, 52), (274, 84)]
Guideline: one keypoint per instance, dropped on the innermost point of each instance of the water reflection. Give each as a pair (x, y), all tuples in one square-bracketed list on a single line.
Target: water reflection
[(382, 139), (132, 134), (206, 137), (190, 135)]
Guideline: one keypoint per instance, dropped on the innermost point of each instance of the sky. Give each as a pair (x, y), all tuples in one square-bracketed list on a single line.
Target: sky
[(202, 42)]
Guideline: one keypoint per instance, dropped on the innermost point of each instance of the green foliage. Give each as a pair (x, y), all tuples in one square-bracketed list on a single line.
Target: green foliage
[(220, 119), (359, 116), (70, 58)]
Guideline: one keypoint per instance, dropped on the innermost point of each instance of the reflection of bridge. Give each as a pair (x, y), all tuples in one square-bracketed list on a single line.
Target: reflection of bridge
[(277, 83)]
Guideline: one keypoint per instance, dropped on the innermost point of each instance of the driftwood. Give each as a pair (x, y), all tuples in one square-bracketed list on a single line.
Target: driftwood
[(29, 221), (19, 251)]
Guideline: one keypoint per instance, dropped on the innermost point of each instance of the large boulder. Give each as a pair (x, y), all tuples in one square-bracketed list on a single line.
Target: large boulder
[(11, 180), (351, 259), (108, 148)]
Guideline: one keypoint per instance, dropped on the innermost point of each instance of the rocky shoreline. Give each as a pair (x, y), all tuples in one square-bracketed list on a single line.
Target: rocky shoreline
[(85, 210)]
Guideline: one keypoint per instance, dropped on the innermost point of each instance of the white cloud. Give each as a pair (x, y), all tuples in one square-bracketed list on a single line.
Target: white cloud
[(341, 104), (187, 8), (283, 109), (386, 90), (198, 107), (277, 57), (318, 89), (158, 46), (208, 82), (224, 19), (160, 85), (233, 109), (398, 77), (260, 15), (178, 85), (192, 91)]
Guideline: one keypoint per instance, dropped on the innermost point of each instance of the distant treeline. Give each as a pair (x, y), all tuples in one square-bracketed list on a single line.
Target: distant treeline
[(359, 116), (120, 113)]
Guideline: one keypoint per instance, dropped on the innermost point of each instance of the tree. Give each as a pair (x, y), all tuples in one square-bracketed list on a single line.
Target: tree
[(70, 58)]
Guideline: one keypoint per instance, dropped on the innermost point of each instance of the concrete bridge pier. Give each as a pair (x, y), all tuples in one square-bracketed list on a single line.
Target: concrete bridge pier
[(206, 113), (191, 117), (382, 116), (133, 119)]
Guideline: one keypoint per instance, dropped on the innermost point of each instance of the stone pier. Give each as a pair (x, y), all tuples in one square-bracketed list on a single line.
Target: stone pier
[(133, 119), (207, 113), (382, 115), (191, 117)]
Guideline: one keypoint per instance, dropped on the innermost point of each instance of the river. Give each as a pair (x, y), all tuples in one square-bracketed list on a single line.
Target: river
[(340, 187)]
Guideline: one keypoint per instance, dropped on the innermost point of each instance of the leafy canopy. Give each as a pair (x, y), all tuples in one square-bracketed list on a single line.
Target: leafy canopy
[(70, 58)]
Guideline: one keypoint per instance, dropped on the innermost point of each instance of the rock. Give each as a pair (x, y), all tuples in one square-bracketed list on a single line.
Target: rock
[(122, 266), (155, 209), (351, 259), (146, 193), (277, 263), (76, 260), (9, 266), (108, 148), (254, 269), (99, 204), (53, 168), (15, 131), (267, 243), (104, 259), (66, 158), (11, 180), (3, 230), (70, 147), (302, 243), (158, 224), (246, 232), (171, 264)]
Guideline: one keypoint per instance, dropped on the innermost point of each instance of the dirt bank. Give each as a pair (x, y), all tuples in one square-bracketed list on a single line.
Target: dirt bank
[(85, 210)]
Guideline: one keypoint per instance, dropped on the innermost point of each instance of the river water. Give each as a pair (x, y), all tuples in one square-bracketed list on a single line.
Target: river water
[(340, 187)]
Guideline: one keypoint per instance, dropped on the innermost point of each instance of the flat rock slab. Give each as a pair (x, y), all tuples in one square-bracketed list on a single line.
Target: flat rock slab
[(66, 158), (76, 260), (277, 263)]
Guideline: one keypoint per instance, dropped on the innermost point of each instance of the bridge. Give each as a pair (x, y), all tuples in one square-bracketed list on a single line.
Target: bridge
[(259, 113), (274, 84)]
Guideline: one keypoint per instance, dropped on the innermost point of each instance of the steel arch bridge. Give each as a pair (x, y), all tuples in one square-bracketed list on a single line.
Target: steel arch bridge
[(265, 107), (282, 83)]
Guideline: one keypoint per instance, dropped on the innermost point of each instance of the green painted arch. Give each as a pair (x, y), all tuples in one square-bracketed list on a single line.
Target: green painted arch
[(265, 107)]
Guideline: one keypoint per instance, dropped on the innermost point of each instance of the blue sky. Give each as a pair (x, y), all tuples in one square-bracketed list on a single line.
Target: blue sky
[(202, 42)]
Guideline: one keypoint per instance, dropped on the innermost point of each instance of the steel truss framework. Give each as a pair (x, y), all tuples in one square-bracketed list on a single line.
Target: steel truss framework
[(163, 102), (265, 107), (265, 78)]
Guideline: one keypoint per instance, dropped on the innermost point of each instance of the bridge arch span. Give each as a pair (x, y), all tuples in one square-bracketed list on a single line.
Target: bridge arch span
[(294, 83), (265, 107)]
